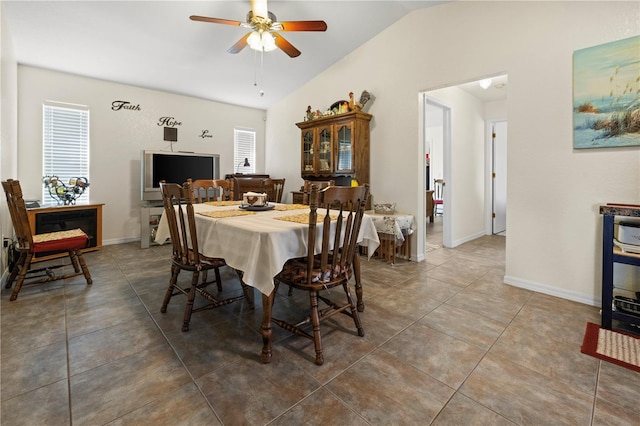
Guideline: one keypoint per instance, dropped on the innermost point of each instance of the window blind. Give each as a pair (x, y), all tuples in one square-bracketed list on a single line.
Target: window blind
[(65, 150), (244, 141)]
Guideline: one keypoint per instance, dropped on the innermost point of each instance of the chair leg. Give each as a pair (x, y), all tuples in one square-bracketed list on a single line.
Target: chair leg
[(85, 269), (73, 256), (191, 297), (354, 310), (24, 268), (356, 274), (175, 271), (315, 321), (16, 269), (248, 294), (218, 279)]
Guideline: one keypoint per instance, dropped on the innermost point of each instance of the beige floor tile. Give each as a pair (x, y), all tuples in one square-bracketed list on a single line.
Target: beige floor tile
[(47, 405), (619, 385), (320, 408), (463, 325), (524, 396), (184, 406), (556, 359), (428, 327), (609, 414), (441, 356), (461, 410), (80, 321), (248, 392), (112, 390), (37, 367), (91, 350), (384, 391)]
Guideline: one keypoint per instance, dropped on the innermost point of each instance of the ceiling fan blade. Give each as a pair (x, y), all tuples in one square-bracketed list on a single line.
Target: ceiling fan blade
[(304, 26), (240, 44), (285, 46), (259, 8), (215, 20)]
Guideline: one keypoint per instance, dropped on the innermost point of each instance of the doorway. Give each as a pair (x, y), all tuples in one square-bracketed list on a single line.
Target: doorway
[(499, 177), (437, 131), (472, 108)]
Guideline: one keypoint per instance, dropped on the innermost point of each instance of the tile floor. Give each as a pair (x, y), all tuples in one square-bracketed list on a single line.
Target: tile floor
[(447, 343)]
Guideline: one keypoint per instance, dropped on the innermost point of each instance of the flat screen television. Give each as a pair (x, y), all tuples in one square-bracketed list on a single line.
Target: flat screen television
[(175, 167)]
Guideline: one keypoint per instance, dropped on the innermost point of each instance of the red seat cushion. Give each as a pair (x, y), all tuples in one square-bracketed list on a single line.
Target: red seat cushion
[(59, 241)]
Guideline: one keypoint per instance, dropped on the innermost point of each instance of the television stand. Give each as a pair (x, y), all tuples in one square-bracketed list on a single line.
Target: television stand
[(150, 213)]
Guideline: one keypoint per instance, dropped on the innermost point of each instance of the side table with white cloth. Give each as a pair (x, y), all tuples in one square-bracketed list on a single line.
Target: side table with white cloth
[(258, 243), (394, 232)]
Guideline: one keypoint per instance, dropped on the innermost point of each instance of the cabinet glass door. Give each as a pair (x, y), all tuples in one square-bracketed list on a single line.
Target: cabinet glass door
[(345, 148), (325, 150), (307, 151)]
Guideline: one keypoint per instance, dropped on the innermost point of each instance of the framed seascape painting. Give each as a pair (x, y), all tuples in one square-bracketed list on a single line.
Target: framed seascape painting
[(606, 95)]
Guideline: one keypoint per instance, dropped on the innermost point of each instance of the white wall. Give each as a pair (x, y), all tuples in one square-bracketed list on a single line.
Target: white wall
[(118, 137), (554, 242), (8, 127)]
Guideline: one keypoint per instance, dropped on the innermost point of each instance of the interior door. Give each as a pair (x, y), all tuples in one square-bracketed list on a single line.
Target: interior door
[(499, 190)]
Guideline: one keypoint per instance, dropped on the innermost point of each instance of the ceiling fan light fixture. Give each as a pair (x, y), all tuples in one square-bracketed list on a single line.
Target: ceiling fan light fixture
[(261, 41), (485, 83)]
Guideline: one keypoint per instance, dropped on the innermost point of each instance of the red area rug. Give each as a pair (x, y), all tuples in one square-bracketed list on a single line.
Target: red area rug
[(612, 346)]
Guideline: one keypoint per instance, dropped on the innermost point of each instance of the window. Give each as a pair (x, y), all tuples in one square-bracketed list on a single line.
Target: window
[(65, 150), (244, 142)]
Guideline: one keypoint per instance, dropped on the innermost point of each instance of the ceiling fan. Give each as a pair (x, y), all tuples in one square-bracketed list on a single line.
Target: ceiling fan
[(264, 27)]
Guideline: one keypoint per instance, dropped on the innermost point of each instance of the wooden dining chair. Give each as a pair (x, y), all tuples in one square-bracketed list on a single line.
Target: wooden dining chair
[(178, 207), (29, 244), (274, 188), (210, 190), (206, 190), (332, 266), (247, 184), (321, 184), (430, 205), (438, 196)]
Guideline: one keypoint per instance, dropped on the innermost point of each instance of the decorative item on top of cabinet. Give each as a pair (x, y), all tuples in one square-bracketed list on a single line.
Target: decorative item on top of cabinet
[(336, 147)]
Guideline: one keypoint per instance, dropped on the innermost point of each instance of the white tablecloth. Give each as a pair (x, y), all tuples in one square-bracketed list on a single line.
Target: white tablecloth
[(398, 224), (258, 244)]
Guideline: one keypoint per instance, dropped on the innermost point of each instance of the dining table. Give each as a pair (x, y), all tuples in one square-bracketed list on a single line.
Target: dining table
[(258, 242)]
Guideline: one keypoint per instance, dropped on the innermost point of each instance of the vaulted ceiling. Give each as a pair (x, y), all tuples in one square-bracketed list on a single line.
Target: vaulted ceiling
[(154, 44)]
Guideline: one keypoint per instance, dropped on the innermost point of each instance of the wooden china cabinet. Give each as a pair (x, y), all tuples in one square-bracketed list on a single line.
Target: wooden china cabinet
[(336, 147)]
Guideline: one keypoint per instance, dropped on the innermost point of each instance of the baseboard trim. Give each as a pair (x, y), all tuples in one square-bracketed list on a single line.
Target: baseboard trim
[(468, 238), (119, 241), (552, 291)]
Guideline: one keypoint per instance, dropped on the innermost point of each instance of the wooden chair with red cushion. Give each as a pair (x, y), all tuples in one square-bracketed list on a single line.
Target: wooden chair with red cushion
[(178, 207), (318, 273), (29, 244), (438, 196)]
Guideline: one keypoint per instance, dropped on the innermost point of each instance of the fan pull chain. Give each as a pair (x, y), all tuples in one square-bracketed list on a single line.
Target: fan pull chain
[(255, 70), (262, 72)]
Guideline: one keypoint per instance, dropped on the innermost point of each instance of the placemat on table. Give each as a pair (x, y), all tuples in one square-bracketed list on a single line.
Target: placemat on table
[(226, 213), (303, 218), (285, 207), (223, 203)]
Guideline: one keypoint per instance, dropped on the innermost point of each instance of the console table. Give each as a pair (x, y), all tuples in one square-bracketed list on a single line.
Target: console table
[(51, 218), (612, 254)]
